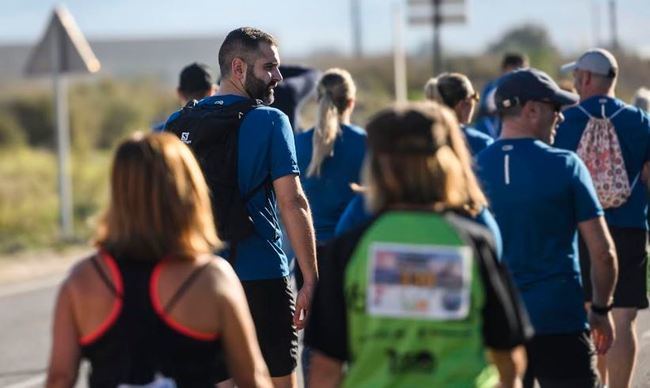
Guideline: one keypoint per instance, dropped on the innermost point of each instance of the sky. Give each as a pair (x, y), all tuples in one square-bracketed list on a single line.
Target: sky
[(307, 26)]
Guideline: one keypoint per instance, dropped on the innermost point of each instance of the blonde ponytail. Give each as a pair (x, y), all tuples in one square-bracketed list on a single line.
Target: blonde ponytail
[(325, 134), (335, 91), (431, 91)]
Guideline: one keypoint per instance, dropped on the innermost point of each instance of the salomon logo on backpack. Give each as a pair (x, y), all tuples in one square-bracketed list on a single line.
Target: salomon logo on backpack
[(600, 149), (212, 132)]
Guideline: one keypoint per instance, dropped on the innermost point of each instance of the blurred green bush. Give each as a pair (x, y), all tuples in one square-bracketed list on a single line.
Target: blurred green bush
[(29, 200), (101, 113)]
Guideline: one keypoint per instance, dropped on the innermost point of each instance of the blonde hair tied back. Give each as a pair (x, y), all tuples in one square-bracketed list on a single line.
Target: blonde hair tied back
[(335, 91)]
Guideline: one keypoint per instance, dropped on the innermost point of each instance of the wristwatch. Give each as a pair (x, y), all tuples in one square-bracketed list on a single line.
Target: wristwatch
[(600, 310)]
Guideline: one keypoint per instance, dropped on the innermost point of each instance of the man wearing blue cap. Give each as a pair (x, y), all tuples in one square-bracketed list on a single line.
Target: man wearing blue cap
[(540, 197), (613, 139)]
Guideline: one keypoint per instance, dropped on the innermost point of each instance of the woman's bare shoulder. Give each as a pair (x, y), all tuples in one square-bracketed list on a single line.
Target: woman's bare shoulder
[(218, 267), (83, 277)]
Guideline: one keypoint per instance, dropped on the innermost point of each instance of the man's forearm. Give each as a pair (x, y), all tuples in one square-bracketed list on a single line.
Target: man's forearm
[(603, 277), (604, 263), (296, 216)]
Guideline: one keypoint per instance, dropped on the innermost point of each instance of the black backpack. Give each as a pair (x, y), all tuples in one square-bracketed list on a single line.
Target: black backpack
[(212, 132)]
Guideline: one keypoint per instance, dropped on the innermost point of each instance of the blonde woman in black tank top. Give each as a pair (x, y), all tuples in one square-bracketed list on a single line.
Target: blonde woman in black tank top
[(154, 306)]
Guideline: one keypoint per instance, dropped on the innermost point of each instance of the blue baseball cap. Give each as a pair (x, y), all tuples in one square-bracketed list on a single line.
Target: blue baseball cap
[(520, 86)]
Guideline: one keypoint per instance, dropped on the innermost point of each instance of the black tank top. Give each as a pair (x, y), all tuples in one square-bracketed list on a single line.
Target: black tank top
[(138, 341)]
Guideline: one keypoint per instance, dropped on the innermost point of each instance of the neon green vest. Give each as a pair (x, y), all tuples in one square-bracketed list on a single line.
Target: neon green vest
[(414, 299)]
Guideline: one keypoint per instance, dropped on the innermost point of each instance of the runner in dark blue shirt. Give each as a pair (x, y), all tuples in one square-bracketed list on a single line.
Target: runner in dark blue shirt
[(540, 197), (595, 74)]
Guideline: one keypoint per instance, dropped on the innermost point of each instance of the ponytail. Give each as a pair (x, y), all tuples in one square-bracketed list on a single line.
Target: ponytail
[(335, 91), (448, 89), (325, 134), (431, 91)]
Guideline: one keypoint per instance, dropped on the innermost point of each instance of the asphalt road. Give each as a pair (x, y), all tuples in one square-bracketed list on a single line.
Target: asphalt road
[(25, 320)]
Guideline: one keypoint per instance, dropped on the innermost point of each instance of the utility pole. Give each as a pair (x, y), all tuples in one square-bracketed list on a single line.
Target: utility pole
[(437, 50), (596, 26), (613, 24), (399, 56), (355, 13), (436, 13)]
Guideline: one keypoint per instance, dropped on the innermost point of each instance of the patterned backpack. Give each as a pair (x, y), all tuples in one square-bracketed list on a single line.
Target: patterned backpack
[(600, 149)]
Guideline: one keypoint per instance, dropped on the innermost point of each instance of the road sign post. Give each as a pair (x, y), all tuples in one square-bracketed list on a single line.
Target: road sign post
[(399, 56), (436, 13), (62, 50), (62, 139)]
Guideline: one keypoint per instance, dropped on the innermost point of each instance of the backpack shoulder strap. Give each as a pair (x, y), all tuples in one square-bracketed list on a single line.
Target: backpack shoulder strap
[(584, 111), (621, 109), (241, 108)]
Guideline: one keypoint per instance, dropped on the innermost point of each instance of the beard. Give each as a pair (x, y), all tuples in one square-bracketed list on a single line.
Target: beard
[(258, 89)]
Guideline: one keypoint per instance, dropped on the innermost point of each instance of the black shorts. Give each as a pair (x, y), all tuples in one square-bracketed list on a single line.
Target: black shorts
[(562, 361), (631, 287), (272, 307)]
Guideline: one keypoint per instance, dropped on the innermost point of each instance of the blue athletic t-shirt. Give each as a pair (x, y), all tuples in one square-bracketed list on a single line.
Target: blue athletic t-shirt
[(538, 195), (355, 215), (329, 193), (633, 131), (476, 140), (266, 149), (487, 122)]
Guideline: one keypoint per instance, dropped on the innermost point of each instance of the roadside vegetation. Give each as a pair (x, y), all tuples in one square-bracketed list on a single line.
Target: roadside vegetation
[(103, 110)]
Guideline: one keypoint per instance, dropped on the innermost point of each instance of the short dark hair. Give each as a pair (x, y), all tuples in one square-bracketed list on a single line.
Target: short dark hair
[(516, 60), (241, 42), (195, 78)]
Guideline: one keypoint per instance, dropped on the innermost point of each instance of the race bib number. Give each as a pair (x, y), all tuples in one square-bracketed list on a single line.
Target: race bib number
[(419, 281)]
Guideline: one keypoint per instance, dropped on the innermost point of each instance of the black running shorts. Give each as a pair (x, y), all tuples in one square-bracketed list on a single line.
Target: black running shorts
[(631, 288), (562, 361), (272, 307)]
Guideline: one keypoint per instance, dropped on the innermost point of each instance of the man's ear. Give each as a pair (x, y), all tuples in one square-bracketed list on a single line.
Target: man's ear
[(587, 78), (238, 68), (530, 109)]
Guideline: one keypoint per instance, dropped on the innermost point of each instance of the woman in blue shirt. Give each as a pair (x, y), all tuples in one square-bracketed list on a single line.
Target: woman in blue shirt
[(330, 155), (456, 91)]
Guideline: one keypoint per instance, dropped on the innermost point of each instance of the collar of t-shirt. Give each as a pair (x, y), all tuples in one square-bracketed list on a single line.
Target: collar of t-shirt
[(593, 105)]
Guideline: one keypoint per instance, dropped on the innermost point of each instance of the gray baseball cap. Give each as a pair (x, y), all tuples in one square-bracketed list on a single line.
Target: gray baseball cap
[(598, 61)]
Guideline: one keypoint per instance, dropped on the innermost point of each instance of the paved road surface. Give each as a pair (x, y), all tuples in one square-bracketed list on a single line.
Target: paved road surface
[(25, 313)]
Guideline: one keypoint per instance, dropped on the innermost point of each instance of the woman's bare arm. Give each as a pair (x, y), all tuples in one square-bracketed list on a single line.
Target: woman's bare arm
[(66, 352), (243, 354)]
